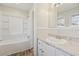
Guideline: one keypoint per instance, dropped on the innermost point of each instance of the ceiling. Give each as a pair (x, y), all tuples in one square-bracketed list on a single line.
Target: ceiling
[(21, 6), (28, 6), (67, 6)]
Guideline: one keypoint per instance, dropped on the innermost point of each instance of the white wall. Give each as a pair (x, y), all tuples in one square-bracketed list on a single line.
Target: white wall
[(42, 15), (11, 11), (14, 26), (52, 16)]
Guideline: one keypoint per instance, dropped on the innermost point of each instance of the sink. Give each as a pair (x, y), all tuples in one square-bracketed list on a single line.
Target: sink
[(56, 40)]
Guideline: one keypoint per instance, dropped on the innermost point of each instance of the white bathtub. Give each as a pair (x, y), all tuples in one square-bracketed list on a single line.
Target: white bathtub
[(8, 47)]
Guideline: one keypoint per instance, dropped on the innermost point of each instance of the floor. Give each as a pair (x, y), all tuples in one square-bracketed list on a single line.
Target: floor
[(28, 52)]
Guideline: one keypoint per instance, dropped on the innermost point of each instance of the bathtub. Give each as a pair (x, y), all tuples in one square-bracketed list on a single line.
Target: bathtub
[(8, 47)]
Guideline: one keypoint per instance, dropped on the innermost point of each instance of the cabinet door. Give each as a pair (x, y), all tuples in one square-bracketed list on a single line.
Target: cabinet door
[(45, 49), (61, 53), (51, 51), (42, 48)]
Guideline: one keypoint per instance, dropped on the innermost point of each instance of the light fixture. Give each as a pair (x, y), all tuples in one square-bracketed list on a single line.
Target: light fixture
[(57, 4), (18, 3)]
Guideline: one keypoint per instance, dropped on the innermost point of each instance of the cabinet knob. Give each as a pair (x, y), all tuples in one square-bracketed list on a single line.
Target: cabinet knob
[(39, 43), (42, 51)]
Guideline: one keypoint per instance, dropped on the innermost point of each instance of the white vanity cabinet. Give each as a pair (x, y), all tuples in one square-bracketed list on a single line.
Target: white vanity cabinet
[(42, 48), (45, 49)]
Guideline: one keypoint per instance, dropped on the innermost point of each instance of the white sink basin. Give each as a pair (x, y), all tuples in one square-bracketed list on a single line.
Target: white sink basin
[(57, 41)]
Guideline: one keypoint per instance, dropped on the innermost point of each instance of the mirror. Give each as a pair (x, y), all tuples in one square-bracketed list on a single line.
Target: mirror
[(67, 14)]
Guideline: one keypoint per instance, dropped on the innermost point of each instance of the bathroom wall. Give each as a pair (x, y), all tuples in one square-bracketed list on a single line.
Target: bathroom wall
[(11, 11), (42, 15), (42, 18), (45, 16), (52, 17), (15, 22)]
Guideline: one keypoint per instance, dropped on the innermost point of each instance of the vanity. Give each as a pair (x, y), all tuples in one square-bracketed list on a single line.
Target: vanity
[(57, 42), (45, 49)]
